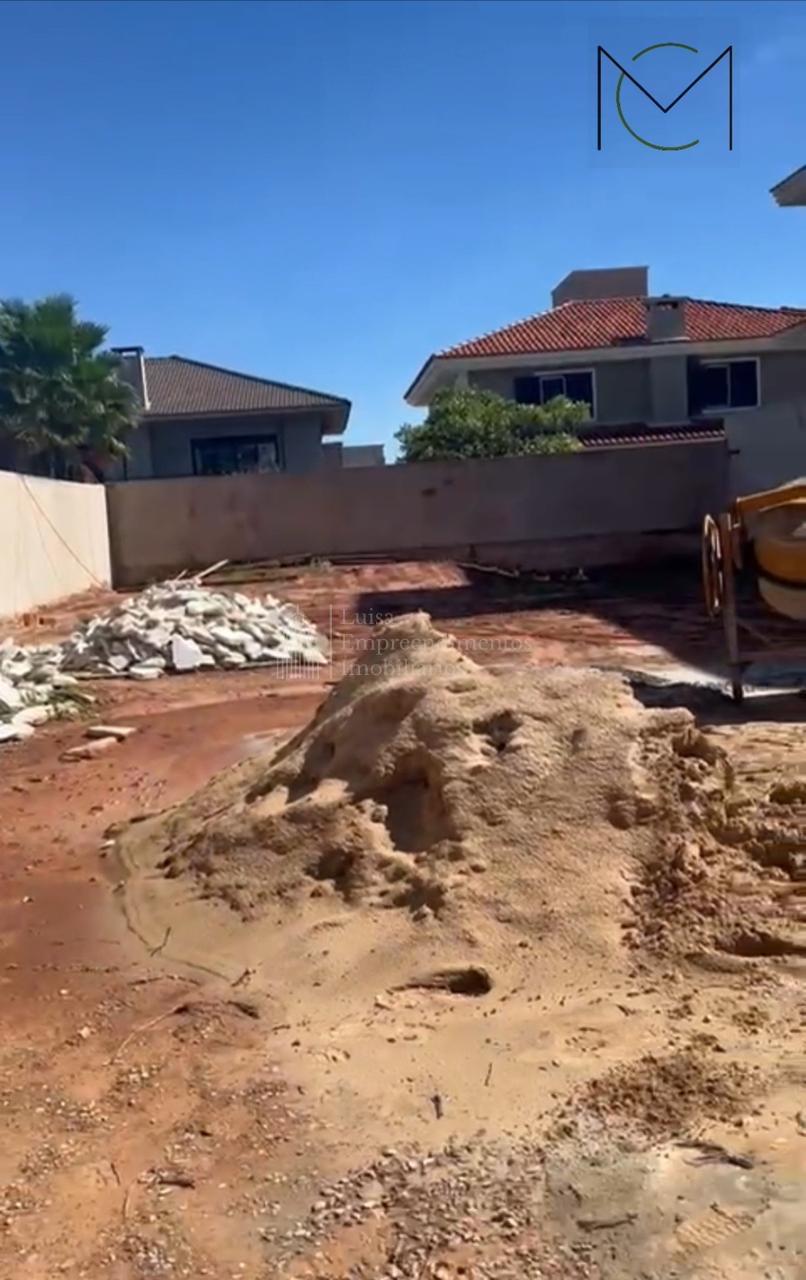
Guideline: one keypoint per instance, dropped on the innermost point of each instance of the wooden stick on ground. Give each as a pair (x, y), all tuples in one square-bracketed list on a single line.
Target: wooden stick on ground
[(205, 573)]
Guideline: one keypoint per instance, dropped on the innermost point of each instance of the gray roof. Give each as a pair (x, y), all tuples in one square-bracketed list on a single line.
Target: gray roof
[(178, 386), (792, 189)]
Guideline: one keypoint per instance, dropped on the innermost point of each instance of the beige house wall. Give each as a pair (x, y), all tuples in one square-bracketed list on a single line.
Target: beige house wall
[(54, 540)]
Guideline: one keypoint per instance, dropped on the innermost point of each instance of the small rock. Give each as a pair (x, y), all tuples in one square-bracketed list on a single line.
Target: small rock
[(88, 750), (31, 715), (15, 731), (118, 731), (10, 699), (185, 654)]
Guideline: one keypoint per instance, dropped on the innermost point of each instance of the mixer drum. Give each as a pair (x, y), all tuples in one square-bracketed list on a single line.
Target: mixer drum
[(778, 538)]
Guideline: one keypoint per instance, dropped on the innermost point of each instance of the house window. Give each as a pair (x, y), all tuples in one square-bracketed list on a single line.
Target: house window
[(539, 388), (716, 385), (235, 455)]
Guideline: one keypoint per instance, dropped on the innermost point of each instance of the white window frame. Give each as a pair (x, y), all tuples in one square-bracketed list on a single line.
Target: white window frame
[(545, 374), (719, 364)]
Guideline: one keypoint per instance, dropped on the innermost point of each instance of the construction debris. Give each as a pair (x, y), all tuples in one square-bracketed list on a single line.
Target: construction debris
[(181, 626), (170, 627), (33, 689)]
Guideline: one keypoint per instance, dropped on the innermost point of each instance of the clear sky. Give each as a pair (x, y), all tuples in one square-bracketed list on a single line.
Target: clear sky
[(326, 193)]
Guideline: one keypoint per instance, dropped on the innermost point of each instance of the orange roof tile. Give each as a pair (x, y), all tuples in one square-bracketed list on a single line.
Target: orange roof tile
[(612, 322)]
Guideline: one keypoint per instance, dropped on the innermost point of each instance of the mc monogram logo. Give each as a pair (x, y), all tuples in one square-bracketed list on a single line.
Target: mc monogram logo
[(626, 75)]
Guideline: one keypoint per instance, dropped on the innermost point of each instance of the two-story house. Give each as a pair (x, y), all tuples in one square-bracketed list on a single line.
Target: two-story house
[(634, 358)]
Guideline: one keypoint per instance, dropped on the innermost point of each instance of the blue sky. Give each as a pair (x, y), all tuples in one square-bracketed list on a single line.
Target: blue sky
[(325, 193)]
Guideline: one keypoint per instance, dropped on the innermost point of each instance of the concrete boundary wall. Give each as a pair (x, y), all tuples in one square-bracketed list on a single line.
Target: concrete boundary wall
[(767, 446), (54, 540), (592, 507)]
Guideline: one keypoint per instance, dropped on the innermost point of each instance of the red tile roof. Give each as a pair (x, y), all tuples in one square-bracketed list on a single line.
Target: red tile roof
[(642, 433), (613, 322)]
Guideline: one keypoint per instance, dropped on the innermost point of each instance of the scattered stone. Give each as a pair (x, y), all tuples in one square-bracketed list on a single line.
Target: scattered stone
[(88, 750), (10, 699), (31, 716), (118, 731), (11, 732), (173, 626), (182, 626), (469, 1196), (33, 690)]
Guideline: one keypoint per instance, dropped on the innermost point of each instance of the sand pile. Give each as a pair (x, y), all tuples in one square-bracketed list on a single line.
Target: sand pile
[(436, 792), (434, 802)]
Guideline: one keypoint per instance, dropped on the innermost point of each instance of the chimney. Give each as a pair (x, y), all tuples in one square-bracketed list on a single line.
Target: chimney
[(602, 282), (132, 369), (665, 319)]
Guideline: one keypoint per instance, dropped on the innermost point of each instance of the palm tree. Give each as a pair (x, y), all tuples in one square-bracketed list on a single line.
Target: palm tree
[(61, 400)]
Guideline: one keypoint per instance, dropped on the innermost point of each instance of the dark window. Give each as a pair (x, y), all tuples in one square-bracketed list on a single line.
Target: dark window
[(743, 388), (715, 386), (732, 384), (540, 388), (579, 386), (550, 388), (234, 455), (527, 390)]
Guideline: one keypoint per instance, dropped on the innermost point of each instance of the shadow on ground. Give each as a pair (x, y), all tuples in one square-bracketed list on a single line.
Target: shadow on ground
[(659, 606)]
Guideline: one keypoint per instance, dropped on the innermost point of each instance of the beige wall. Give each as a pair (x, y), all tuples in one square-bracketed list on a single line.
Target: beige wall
[(54, 540), (554, 503)]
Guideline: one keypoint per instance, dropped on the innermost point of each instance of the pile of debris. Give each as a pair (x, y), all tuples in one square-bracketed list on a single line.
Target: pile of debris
[(173, 626), (181, 626), (33, 689)]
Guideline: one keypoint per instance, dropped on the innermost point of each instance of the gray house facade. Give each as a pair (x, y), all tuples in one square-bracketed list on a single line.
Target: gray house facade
[(203, 420), (634, 358)]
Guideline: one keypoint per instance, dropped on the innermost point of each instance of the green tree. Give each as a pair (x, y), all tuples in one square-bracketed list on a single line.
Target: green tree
[(61, 399), (480, 424)]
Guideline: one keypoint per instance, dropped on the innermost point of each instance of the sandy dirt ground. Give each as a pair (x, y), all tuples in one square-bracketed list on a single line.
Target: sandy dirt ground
[(166, 1118)]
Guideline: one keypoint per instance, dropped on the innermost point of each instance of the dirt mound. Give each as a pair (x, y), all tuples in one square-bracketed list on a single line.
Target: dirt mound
[(539, 807), (437, 793), (727, 872)]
